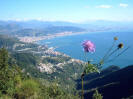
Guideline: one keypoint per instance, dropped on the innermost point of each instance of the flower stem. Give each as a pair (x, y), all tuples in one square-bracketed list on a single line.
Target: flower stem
[(85, 55), (82, 97), (108, 51), (119, 54), (111, 53)]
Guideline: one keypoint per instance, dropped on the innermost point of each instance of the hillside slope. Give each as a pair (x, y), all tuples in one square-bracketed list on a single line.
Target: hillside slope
[(43, 62), (115, 85)]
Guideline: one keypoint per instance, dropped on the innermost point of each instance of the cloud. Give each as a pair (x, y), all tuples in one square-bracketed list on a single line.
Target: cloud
[(104, 6), (123, 5)]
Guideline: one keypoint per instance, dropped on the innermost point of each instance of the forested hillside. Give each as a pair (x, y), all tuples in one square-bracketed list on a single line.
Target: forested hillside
[(42, 62), (15, 84)]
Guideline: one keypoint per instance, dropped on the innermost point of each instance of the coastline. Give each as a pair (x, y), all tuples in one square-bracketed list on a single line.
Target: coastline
[(27, 39), (122, 36)]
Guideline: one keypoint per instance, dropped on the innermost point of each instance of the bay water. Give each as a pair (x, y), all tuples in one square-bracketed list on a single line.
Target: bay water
[(72, 46)]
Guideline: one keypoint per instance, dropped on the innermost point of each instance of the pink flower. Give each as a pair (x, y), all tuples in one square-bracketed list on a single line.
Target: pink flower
[(88, 46)]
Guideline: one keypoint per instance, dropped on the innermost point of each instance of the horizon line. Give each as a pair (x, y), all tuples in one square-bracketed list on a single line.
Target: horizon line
[(85, 21)]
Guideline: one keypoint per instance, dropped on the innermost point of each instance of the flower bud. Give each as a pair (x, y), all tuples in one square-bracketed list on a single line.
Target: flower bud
[(120, 45), (115, 38)]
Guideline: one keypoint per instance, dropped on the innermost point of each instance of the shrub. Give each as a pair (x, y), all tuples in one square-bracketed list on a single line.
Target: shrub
[(28, 88)]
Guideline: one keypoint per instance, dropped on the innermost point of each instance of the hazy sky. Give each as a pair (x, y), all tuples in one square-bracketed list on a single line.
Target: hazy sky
[(66, 10)]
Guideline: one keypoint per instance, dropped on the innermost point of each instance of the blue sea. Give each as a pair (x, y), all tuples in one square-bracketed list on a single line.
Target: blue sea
[(72, 46)]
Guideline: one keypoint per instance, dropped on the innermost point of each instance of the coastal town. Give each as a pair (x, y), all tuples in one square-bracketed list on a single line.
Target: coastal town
[(47, 53), (31, 39)]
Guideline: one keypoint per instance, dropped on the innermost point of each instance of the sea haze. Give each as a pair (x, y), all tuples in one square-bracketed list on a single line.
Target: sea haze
[(71, 45)]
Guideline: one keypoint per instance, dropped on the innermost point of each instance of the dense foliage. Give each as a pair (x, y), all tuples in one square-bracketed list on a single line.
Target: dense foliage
[(55, 60), (15, 84)]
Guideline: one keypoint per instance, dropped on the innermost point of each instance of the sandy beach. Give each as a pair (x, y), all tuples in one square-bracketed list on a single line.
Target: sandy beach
[(28, 39)]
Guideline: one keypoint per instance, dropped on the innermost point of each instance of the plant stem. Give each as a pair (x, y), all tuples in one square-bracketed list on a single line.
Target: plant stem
[(111, 53), (120, 54), (85, 55), (82, 97), (108, 51)]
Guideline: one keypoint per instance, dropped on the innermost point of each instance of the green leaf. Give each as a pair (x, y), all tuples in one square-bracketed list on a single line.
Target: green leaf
[(90, 68)]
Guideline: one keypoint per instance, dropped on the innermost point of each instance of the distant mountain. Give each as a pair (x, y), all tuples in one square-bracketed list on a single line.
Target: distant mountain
[(39, 24), (9, 28), (44, 27), (112, 25), (36, 28), (116, 84), (46, 31)]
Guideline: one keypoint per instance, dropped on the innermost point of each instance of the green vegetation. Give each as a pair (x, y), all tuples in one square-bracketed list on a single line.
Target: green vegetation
[(15, 84), (28, 57), (20, 77), (23, 64), (24, 59), (97, 95), (8, 42), (55, 60)]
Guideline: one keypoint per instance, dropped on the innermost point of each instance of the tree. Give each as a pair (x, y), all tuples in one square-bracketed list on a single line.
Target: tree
[(6, 74), (4, 77), (3, 60)]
